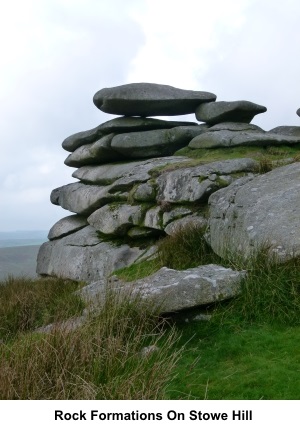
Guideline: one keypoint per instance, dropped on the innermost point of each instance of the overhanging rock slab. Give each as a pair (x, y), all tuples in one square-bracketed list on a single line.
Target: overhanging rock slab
[(170, 290)]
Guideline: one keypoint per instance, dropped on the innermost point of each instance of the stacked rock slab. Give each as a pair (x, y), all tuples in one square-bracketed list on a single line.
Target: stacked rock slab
[(230, 127), (131, 188), (116, 193)]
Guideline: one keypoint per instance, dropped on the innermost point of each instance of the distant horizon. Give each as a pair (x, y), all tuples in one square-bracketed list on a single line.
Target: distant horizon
[(5, 234)]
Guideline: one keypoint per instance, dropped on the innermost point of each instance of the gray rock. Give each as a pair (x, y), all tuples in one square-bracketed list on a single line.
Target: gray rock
[(116, 219), (123, 175), (66, 226), (298, 112), (153, 218), (226, 138), (235, 126), (144, 193), (105, 174), (175, 214), (118, 125), (154, 143), (85, 237), (170, 290), (82, 256), (195, 184), (191, 220), (237, 111), (98, 152), (286, 130), (142, 172), (253, 213), (147, 99), (80, 198)]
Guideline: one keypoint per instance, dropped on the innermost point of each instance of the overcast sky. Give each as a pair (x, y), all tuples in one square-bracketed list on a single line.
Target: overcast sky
[(55, 54)]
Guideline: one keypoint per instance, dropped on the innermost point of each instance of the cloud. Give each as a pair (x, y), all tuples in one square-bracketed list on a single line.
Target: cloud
[(238, 50), (57, 54)]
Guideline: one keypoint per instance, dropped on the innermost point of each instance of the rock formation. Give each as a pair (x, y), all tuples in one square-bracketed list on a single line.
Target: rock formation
[(139, 179)]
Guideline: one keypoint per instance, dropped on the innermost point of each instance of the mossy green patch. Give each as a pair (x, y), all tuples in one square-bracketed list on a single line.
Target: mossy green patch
[(138, 270), (257, 153)]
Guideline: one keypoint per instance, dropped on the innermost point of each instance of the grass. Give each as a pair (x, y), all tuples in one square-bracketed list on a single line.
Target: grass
[(184, 249), (26, 304), (102, 359), (138, 270), (248, 349), (238, 362), (257, 153)]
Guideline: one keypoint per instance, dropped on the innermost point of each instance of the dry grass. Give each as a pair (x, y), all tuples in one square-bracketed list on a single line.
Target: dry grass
[(102, 359)]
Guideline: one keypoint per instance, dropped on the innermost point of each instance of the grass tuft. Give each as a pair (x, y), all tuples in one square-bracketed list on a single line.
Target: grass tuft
[(186, 248), (270, 292), (101, 359), (26, 304)]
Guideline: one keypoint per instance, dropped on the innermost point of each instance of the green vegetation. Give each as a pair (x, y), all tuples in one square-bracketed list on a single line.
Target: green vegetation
[(138, 270), (26, 304), (237, 362), (246, 348), (255, 152), (185, 248), (102, 359)]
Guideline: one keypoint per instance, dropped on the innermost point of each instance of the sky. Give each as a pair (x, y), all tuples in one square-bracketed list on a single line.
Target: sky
[(56, 54)]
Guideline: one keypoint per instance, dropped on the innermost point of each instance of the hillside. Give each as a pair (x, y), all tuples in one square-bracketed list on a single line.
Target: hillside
[(18, 261)]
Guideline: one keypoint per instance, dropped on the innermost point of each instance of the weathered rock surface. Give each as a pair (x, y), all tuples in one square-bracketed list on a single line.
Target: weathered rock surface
[(116, 219), (192, 220), (145, 193), (195, 184), (66, 226), (226, 138), (98, 152), (237, 111), (154, 143), (120, 201), (80, 198), (235, 126), (153, 218), (147, 99), (142, 172), (118, 125), (123, 175), (173, 290), (175, 214), (83, 256), (263, 211), (105, 174), (286, 130)]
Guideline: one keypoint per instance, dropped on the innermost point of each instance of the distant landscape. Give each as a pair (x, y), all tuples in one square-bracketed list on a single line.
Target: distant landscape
[(18, 252)]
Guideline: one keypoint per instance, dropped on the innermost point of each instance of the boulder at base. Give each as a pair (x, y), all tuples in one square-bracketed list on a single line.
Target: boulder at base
[(83, 256), (147, 99), (171, 290), (264, 211)]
